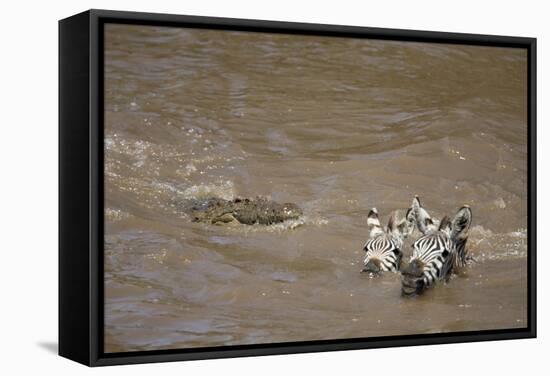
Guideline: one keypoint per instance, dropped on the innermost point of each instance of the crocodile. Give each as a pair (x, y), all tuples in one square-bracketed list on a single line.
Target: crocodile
[(246, 211)]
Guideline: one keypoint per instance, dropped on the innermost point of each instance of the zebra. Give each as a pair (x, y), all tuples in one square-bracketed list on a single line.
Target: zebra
[(383, 249), (440, 250)]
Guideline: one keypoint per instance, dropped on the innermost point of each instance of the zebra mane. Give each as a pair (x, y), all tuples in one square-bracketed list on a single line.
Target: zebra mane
[(399, 228), (423, 219)]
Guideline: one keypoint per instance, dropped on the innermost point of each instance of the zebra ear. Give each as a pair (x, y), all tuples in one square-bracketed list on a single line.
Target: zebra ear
[(445, 225), (416, 203), (373, 223), (391, 227), (461, 223), (410, 215), (423, 220)]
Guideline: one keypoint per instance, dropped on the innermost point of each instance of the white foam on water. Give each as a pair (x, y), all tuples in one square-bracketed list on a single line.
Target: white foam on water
[(224, 189), (115, 214), (484, 244), (164, 187), (187, 170)]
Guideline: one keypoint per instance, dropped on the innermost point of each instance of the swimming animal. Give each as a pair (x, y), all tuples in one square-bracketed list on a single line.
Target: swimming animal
[(383, 249), (246, 211), (440, 250)]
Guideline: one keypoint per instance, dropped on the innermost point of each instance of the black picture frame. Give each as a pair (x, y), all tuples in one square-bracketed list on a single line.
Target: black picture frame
[(81, 186)]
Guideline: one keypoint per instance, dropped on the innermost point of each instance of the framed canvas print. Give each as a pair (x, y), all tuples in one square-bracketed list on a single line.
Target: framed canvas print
[(237, 187)]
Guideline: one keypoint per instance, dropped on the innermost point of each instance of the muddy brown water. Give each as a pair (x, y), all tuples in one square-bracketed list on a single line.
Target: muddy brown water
[(335, 125)]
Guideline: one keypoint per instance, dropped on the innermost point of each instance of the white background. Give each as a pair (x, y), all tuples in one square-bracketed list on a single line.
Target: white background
[(28, 185)]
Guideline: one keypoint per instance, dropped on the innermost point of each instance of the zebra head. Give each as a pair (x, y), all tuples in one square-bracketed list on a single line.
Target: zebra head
[(440, 249), (383, 249)]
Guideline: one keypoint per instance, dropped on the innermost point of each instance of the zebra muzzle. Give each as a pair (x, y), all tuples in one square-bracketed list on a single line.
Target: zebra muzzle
[(412, 279), (372, 266)]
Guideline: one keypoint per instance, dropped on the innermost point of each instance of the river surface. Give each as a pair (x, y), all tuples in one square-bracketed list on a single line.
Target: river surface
[(334, 125)]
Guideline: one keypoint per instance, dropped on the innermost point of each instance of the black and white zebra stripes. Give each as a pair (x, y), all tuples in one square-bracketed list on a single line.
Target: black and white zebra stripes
[(437, 251), (440, 249), (383, 249), (382, 254)]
